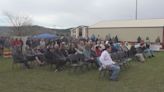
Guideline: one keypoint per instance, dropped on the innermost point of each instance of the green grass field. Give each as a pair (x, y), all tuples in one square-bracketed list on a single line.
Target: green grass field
[(139, 77)]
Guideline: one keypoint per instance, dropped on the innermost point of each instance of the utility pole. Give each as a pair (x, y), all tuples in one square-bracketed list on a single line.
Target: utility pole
[(136, 14)]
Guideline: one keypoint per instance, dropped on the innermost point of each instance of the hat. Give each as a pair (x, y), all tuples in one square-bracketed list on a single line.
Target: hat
[(63, 43), (107, 46), (106, 42)]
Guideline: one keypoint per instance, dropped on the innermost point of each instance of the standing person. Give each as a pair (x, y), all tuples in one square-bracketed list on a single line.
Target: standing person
[(107, 62), (15, 42), (1, 46), (21, 43), (12, 42), (29, 42), (7, 43)]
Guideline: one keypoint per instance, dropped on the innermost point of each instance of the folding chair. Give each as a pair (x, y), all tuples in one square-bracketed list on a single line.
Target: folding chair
[(76, 63)]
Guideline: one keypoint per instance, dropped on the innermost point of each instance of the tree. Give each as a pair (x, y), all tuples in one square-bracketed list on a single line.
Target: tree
[(158, 40), (116, 39), (139, 39), (109, 36), (19, 23), (147, 38), (113, 39), (106, 37)]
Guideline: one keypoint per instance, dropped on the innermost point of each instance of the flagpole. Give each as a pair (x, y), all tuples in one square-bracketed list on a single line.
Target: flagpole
[(136, 16)]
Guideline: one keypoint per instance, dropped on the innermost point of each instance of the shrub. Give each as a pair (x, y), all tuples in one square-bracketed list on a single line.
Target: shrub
[(139, 39)]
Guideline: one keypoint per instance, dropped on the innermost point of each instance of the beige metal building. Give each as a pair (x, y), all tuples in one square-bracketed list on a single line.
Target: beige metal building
[(129, 30)]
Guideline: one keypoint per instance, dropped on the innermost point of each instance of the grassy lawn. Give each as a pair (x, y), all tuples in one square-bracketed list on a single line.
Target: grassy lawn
[(139, 77)]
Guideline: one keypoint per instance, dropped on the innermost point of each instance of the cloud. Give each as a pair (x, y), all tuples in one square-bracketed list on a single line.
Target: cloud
[(69, 13)]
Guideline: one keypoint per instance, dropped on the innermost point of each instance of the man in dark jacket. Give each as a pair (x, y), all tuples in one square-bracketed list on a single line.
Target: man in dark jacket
[(19, 57)]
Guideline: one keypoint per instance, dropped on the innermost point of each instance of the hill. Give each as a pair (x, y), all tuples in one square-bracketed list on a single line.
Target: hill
[(32, 30)]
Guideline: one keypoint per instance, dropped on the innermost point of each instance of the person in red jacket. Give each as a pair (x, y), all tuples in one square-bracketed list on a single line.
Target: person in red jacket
[(98, 51), (16, 42)]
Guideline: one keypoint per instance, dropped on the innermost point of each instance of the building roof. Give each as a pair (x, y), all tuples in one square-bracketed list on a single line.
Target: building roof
[(129, 23)]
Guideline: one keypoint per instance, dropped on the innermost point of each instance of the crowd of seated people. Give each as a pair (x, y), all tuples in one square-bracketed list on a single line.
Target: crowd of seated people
[(55, 55), (35, 55), (142, 51), (97, 52)]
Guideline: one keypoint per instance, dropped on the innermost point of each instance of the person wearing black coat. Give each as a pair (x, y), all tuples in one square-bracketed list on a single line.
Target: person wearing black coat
[(19, 57)]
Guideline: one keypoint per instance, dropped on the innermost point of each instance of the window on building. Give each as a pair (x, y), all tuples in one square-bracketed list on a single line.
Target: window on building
[(74, 31), (80, 32)]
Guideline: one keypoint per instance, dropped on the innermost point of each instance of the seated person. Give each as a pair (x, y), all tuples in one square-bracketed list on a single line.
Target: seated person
[(59, 58), (34, 55), (49, 55), (71, 49), (125, 49), (39, 56), (142, 47), (140, 54), (133, 51), (98, 54), (114, 49), (80, 48), (87, 53), (94, 57), (59, 54), (148, 52), (80, 52), (98, 51), (107, 62), (63, 49), (72, 54), (117, 46), (51, 58), (19, 57)]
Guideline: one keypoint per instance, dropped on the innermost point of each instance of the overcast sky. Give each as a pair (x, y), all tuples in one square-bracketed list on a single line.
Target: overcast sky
[(72, 13)]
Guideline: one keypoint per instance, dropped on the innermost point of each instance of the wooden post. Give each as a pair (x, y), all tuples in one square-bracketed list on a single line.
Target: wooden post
[(163, 39)]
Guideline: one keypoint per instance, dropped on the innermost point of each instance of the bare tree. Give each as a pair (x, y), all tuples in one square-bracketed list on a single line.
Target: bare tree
[(19, 23)]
